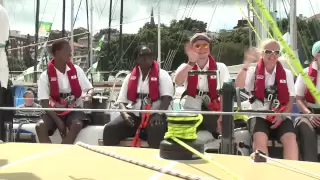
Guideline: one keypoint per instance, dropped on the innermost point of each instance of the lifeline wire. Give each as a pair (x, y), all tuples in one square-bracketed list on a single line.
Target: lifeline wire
[(161, 111), (142, 164), (291, 166)]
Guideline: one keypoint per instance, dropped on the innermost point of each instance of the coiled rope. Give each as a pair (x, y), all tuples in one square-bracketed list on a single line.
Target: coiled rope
[(143, 164), (184, 126)]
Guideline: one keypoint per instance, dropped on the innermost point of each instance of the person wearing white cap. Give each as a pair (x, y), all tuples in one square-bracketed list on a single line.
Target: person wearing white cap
[(307, 128), (202, 91)]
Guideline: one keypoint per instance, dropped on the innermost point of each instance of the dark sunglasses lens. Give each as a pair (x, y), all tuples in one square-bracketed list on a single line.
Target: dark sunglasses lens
[(267, 51)]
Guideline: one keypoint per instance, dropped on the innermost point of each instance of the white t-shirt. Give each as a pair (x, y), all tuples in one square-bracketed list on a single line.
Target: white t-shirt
[(269, 81), (4, 35), (63, 82), (222, 76), (300, 87), (165, 88)]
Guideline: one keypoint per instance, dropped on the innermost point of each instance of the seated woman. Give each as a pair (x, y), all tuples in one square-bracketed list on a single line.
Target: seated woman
[(147, 85), (28, 98), (307, 128), (202, 90), (62, 85), (269, 73)]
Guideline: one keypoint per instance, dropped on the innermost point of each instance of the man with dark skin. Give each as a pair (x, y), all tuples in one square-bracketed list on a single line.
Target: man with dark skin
[(155, 88), (62, 85)]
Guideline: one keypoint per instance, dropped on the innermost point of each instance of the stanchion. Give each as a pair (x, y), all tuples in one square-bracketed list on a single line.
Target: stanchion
[(227, 139)]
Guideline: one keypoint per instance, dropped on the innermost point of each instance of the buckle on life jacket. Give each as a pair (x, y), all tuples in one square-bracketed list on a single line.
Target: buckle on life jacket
[(145, 118), (68, 102), (277, 108)]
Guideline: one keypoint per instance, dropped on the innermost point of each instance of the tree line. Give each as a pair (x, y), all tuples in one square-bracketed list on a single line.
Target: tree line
[(227, 46)]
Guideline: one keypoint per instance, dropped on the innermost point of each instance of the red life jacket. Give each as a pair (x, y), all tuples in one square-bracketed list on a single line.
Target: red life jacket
[(214, 105), (212, 81), (313, 74), (153, 83), (281, 83), (53, 80)]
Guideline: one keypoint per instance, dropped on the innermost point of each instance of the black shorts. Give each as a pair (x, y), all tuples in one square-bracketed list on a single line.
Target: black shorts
[(67, 119), (258, 124)]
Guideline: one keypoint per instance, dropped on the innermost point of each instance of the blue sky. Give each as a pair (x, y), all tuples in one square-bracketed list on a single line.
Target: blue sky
[(224, 15)]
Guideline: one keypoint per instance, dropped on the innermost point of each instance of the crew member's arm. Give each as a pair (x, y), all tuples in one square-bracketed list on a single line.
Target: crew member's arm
[(292, 92), (300, 88), (84, 82), (166, 89), (240, 81), (44, 95), (122, 98), (181, 73)]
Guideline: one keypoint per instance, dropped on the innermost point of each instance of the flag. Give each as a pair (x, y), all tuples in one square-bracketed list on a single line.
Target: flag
[(100, 43)]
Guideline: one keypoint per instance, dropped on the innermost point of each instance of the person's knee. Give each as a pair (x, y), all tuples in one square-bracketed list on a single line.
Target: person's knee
[(41, 126), (156, 135), (289, 140), (260, 140), (76, 125)]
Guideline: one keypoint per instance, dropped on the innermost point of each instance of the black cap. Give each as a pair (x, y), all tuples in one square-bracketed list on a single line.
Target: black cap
[(145, 51)]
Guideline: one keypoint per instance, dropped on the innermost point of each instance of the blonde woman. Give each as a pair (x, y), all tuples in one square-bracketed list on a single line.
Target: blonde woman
[(269, 75)]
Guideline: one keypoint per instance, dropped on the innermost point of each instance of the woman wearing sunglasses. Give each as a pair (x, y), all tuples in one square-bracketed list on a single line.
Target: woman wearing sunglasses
[(202, 90), (308, 127), (271, 87)]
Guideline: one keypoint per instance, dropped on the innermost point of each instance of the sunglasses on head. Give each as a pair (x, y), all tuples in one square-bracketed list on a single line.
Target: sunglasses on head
[(270, 52), (198, 46)]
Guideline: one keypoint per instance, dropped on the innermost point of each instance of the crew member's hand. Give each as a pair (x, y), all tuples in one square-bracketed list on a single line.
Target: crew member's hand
[(128, 120), (156, 119), (192, 56), (315, 121), (250, 56), (219, 125), (62, 128), (87, 97), (276, 122)]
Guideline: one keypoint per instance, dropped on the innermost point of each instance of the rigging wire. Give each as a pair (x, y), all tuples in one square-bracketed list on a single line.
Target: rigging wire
[(97, 30)]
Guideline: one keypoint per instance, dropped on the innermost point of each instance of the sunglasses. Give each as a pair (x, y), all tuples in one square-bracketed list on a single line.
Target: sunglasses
[(198, 46), (270, 52)]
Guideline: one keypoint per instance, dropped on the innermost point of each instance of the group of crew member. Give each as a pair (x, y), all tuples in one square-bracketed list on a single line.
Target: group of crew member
[(150, 87)]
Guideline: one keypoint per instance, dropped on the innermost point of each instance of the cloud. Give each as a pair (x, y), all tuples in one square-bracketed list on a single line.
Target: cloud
[(136, 12)]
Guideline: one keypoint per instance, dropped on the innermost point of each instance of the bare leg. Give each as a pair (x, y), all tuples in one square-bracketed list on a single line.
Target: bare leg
[(74, 129), (44, 128)]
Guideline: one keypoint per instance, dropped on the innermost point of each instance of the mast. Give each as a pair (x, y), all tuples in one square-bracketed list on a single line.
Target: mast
[(159, 36), (249, 28), (91, 38), (293, 24), (275, 11), (109, 32), (121, 36), (36, 40), (259, 27), (71, 27), (63, 34)]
